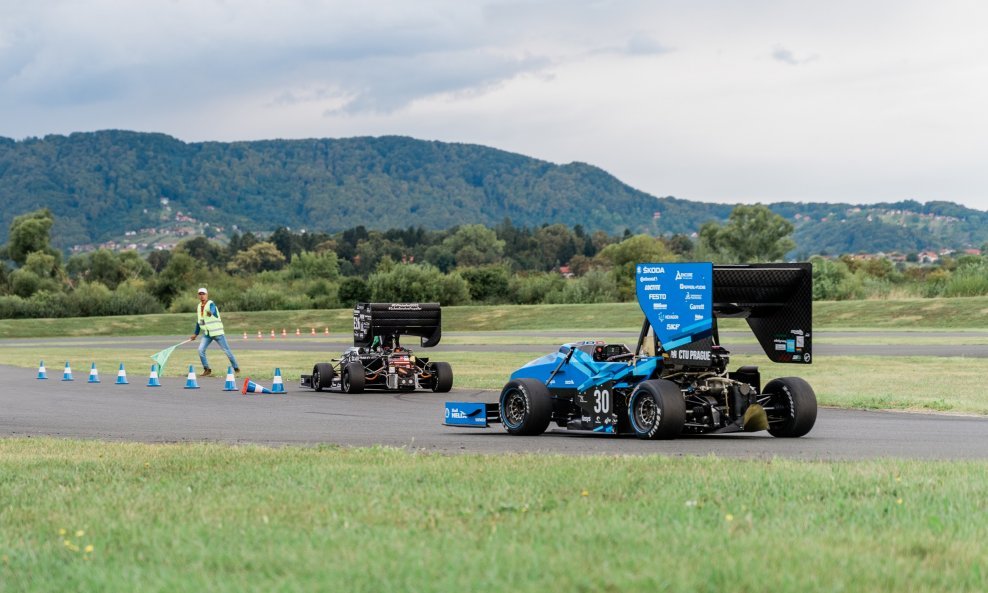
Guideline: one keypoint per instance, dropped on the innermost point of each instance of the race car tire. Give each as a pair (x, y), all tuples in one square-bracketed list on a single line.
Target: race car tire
[(444, 377), (657, 410), (322, 376), (352, 378), (794, 403), (525, 407)]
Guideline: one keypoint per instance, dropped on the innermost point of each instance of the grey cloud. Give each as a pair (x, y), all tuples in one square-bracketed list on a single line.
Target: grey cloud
[(786, 56)]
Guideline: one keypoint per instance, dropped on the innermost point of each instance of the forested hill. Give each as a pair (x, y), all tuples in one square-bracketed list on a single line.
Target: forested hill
[(103, 185)]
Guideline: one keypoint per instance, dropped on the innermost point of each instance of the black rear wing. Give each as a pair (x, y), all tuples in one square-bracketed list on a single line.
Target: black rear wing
[(389, 321), (777, 302)]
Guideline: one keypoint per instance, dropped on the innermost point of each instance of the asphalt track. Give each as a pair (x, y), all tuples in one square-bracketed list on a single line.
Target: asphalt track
[(171, 413)]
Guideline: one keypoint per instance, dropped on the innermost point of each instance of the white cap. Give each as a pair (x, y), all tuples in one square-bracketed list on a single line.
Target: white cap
[(203, 291)]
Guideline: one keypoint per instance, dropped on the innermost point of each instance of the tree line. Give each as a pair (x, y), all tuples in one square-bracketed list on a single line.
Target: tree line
[(462, 265)]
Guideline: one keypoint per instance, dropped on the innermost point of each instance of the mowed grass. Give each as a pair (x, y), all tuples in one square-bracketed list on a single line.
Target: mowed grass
[(205, 517), (953, 313), (870, 382)]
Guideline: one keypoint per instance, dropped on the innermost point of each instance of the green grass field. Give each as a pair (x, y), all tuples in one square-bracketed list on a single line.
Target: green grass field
[(956, 313), (87, 516), (96, 516)]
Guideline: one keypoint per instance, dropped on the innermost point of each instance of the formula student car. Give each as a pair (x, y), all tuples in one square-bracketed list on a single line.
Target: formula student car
[(675, 381), (377, 359)]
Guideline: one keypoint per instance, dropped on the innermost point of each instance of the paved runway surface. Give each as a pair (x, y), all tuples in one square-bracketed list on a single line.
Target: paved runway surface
[(135, 412)]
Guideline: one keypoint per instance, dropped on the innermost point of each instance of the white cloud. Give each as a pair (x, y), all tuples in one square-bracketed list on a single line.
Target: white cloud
[(686, 99)]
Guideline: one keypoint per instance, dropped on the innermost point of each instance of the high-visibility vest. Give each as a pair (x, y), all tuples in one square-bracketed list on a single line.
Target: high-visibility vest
[(211, 326)]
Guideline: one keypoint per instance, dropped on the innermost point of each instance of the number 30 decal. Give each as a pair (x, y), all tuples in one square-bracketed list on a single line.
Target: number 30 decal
[(602, 401)]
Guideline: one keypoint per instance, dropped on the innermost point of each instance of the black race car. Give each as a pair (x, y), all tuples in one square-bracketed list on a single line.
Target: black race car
[(377, 359)]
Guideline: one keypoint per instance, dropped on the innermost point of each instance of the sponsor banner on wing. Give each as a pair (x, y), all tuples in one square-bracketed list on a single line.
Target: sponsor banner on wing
[(677, 300), (466, 414)]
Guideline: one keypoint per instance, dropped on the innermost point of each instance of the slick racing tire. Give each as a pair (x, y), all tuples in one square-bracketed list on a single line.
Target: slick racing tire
[(657, 410), (791, 408), (322, 376), (525, 407), (443, 377), (352, 378)]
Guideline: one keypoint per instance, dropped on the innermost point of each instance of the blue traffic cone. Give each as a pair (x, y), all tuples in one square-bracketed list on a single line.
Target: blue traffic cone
[(42, 373), (121, 376), (93, 374), (153, 379), (67, 375), (231, 381), (191, 383), (251, 387), (277, 386)]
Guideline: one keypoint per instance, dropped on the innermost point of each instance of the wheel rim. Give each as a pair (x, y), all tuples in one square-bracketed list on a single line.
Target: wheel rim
[(646, 413), (514, 408), (315, 379), (345, 380)]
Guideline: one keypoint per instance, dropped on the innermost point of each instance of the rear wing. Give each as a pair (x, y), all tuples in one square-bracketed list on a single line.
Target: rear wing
[(390, 321), (682, 302)]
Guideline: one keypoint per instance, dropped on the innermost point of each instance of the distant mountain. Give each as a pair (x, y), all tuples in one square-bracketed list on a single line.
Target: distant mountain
[(105, 185)]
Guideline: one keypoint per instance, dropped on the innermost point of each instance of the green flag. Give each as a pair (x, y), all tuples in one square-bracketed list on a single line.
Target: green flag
[(162, 357)]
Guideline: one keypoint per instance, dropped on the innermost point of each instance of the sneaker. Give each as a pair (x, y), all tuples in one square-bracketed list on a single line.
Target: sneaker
[(206, 372)]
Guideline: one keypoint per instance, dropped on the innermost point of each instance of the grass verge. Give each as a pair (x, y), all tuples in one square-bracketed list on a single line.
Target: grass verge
[(871, 382), (954, 313), (199, 517)]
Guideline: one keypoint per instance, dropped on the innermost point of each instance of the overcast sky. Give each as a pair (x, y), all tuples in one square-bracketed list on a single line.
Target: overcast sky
[(726, 101)]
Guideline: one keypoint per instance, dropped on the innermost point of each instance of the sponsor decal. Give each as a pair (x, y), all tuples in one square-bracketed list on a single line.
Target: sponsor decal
[(404, 307), (652, 287), (691, 354), (680, 275), (790, 345), (652, 270)]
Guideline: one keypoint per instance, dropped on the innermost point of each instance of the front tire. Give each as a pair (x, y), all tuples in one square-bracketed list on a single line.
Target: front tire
[(657, 410), (352, 378), (793, 404), (322, 376), (443, 377), (525, 407)]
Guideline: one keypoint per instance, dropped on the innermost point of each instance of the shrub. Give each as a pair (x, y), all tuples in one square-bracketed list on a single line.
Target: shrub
[(532, 289)]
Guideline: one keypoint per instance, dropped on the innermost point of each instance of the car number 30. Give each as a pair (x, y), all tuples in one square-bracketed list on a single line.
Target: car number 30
[(602, 401)]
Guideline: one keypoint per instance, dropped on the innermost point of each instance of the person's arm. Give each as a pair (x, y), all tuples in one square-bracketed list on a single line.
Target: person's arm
[(195, 335), (212, 309)]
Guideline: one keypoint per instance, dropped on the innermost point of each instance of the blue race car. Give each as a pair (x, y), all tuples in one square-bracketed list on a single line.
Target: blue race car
[(675, 381)]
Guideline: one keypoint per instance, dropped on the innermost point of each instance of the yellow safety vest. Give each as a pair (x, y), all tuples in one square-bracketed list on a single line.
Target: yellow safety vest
[(211, 326)]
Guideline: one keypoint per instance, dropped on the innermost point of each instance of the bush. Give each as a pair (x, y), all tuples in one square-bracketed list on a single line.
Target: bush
[(353, 289), (488, 284), (533, 289), (595, 287), (418, 283)]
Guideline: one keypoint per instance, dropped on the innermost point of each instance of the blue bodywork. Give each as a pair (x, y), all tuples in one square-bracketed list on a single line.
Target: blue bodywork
[(573, 368)]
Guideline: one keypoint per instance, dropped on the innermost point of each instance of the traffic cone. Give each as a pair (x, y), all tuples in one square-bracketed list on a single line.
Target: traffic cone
[(298, 332), (259, 336), (313, 331), (272, 333), (190, 382), (327, 331), (67, 375), (245, 335), (231, 381), (251, 387), (284, 334), (121, 376), (277, 386), (153, 379), (42, 373), (93, 374)]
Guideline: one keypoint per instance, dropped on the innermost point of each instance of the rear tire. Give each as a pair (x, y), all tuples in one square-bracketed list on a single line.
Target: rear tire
[(443, 377), (794, 403), (352, 378), (657, 410), (322, 376), (525, 407)]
